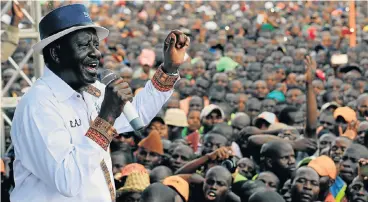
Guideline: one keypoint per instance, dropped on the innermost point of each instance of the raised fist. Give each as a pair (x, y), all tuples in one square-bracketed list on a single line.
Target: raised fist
[(175, 47)]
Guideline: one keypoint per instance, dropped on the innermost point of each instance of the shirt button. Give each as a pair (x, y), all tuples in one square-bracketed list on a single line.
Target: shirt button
[(78, 96)]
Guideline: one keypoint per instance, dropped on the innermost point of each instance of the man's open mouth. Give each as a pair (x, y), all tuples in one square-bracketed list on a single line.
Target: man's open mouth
[(211, 195), (92, 67)]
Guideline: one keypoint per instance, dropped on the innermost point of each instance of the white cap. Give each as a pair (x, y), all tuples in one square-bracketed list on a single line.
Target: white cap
[(267, 116)]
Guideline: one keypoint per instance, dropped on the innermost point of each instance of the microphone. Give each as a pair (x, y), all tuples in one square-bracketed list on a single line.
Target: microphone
[(106, 77)]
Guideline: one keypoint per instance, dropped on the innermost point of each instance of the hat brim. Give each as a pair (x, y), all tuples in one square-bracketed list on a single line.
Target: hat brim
[(102, 33), (260, 118)]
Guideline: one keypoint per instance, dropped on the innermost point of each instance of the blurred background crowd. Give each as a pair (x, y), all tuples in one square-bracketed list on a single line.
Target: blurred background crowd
[(252, 118)]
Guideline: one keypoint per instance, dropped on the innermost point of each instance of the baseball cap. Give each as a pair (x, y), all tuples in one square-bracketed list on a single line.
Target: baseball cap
[(179, 184), (267, 116), (345, 112), (210, 108), (328, 105), (158, 119), (324, 166)]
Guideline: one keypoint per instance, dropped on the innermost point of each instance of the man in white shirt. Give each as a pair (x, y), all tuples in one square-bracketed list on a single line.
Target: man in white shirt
[(63, 126)]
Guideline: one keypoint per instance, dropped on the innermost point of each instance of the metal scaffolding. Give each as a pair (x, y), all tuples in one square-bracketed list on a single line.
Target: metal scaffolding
[(33, 14)]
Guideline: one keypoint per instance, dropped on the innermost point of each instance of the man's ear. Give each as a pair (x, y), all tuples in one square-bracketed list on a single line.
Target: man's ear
[(268, 162), (55, 53)]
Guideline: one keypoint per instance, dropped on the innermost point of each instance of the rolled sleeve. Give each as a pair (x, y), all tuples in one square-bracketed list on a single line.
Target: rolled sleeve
[(46, 149)]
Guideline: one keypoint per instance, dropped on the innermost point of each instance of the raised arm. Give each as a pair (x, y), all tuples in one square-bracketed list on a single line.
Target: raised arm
[(150, 100), (311, 125), (192, 166)]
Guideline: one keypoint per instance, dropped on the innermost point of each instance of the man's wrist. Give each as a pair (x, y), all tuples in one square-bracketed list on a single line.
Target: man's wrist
[(164, 81), (101, 132), (107, 117), (170, 69)]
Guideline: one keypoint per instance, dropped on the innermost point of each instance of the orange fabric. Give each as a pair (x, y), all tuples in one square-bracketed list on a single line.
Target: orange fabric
[(133, 167), (330, 198), (184, 104), (324, 166), (179, 184), (2, 166), (347, 113), (152, 143)]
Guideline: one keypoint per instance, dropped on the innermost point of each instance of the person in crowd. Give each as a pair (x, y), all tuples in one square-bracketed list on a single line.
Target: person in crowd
[(179, 185), (249, 188), (159, 173), (337, 149), (134, 184), (362, 132), (211, 115), (180, 156), (305, 185), (271, 181), (253, 108), (326, 169), (239, 121), (264, 120), (158, 192), (278, 157), (150, 150), (246, 167), (160, 126), (176, 121), (349, 162), (266, 196)]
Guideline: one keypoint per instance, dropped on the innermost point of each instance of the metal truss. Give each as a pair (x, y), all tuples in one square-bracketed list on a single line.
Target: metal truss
[(33, 14)]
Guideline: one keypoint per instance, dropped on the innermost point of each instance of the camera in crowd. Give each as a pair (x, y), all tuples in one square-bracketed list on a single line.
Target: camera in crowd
[(230, 164)]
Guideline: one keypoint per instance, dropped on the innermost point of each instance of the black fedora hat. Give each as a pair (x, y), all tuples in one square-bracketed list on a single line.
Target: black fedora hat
[(63, 21)]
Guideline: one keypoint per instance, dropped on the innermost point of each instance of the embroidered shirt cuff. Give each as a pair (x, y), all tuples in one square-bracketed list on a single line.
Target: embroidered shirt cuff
[(163, 82), (101, 132)]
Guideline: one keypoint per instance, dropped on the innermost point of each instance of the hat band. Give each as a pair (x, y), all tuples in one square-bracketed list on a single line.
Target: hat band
[(60, 30)]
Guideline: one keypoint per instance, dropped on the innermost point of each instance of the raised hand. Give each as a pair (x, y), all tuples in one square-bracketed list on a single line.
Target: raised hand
[(175, 47), (221, 153), (310, 66), (351, 131), (17, 14)]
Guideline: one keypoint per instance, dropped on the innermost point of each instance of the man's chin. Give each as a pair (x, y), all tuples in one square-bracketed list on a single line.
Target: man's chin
[(89, 80)]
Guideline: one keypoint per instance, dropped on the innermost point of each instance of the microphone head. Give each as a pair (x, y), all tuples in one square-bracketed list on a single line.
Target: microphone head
[(107, 76)]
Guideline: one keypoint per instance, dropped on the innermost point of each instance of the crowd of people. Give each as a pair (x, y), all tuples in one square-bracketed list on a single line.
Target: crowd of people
[(272, 104)]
